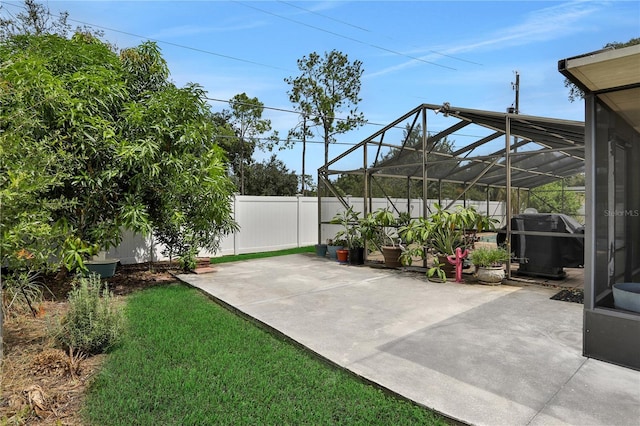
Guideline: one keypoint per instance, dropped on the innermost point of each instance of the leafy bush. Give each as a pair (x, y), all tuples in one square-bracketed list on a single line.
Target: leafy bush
[(187, 260), (94, 322)]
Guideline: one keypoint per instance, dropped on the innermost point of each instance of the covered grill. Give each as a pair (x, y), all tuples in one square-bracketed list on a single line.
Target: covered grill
[(541, 254)]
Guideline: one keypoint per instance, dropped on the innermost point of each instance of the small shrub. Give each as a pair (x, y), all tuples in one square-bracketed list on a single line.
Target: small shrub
[(486, 257), (21, 291), (187, 260), (94, 322)]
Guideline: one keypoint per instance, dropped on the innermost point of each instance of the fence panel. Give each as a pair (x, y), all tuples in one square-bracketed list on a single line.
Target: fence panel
[(266, 224)]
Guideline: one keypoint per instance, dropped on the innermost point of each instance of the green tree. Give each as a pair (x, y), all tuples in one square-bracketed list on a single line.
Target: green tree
[(301, 132), (326, 87), (93, 144), (63, 96), (553, 198), (184, 184), (307, 186), (270, 177), (35, 19), (145, 70), (575, 92), (245, 117)]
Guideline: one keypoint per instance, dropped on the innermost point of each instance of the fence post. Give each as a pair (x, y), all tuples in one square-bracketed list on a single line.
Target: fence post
[(298, 201), (235, 217)]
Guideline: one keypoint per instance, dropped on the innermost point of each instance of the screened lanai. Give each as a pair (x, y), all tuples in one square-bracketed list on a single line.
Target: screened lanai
[(460, 152)]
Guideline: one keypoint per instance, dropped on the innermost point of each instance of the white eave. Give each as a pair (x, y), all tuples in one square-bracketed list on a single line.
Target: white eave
[(613, 75)]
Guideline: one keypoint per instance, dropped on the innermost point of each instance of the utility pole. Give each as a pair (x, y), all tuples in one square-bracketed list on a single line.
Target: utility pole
[(516, 87), (513, 109)]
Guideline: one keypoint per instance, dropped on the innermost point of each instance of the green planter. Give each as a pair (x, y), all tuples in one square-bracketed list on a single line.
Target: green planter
[(105, 268), (321, 250), (332, 250)]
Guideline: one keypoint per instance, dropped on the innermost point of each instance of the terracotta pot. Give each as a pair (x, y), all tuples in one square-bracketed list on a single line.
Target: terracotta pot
[(342, 255)]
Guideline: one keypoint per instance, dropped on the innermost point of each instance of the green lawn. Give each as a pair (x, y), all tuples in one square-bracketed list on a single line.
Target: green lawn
[(187, 361), (236, 257)]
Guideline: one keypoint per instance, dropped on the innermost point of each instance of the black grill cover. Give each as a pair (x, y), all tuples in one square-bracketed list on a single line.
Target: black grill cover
[(543, 250)]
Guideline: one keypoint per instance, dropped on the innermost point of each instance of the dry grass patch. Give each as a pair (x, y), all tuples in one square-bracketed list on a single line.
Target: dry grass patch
[(41, 384)]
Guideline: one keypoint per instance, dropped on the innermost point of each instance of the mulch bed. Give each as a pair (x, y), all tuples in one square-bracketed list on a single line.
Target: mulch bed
[(575, 295), (41, 384)]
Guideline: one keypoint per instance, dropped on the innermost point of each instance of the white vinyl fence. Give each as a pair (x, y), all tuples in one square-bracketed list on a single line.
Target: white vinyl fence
[(276, 223), (266, 224)]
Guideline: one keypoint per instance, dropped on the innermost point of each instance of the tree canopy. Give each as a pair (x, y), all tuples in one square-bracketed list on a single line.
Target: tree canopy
[(34, 19), (94, 143), (270, 177), (554, 198), (245, 118), (326, 87)]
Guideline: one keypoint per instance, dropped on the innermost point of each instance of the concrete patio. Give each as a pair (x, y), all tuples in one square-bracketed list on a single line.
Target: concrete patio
[(501, 355)]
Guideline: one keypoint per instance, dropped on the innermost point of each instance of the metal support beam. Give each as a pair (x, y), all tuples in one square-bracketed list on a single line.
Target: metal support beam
[(507, 153), (425, 181)]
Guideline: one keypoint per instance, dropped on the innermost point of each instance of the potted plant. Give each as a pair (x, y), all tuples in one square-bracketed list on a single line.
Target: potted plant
[(79, 255), (356, 252), (436, 273), (351, 233), (416, 234), (342, 255), (321, 250), (380, 228), (489, 264), (333, 245), (453, 229), (101, 265)]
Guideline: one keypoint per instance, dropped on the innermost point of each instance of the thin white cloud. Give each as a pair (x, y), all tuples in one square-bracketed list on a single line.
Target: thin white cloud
[(541, 25), (194, 30)]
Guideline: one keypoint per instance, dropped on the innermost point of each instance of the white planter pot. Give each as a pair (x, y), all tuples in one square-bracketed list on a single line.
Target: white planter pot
[(490, 275), (627, 296)]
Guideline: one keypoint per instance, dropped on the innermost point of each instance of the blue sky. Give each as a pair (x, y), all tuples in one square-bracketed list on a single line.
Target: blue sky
[(462, 52)]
